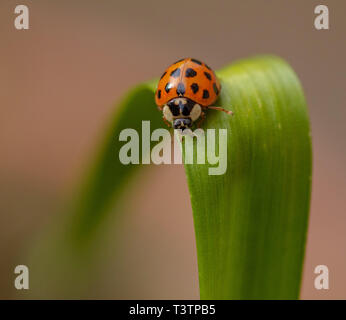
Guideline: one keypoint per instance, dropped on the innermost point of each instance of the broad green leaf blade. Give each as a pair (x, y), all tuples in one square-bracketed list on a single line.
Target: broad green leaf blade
[(251, 222)]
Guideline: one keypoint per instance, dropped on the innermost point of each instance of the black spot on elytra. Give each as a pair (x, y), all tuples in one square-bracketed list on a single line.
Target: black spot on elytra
[(163, 75), (159, 94), (205, 94), (168, 87), (175, 73), (190, 73), (194, 87), (215, 88), (181, 89), (208, 75), (196, 61)]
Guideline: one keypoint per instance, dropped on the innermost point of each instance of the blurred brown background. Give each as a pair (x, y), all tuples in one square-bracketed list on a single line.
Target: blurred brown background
[(59, 80)]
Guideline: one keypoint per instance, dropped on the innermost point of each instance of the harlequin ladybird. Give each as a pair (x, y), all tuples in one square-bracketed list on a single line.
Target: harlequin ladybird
[(185, 90)]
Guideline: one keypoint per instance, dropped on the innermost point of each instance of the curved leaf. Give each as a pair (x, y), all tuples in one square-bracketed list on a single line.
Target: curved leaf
[(251, 222)]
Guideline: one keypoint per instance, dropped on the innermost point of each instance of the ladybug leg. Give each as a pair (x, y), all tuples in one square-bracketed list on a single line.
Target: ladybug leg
[(221, 109), (166, 122), (202, 118)]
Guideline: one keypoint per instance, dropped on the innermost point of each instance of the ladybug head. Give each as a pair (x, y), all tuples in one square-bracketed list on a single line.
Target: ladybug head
[(181, 112), (182, 123)]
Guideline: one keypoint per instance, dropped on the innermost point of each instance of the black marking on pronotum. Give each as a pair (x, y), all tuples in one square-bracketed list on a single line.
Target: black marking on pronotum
[(163, 75), (208, 75), (194, 87), (159, 94), (185, 108), (175, 73), (215, 88), (205, 94), (196, 61), (168, 87), (174, 108), (190, 73), (181, 89)]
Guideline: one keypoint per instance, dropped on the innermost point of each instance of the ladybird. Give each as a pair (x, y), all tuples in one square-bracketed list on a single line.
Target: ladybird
[(185, 91)]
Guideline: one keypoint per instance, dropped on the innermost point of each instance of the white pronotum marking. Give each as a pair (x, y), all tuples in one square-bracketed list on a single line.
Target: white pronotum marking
[(195, 112), (167, 113)]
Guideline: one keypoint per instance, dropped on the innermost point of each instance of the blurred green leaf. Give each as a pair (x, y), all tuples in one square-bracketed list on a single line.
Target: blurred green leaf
[(108, 177)]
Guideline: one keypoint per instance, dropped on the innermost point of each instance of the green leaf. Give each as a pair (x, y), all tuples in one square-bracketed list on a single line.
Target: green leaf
[(250, 223)]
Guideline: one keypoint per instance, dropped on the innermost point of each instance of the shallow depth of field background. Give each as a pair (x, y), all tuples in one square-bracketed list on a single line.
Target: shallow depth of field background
[(58, 84)]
